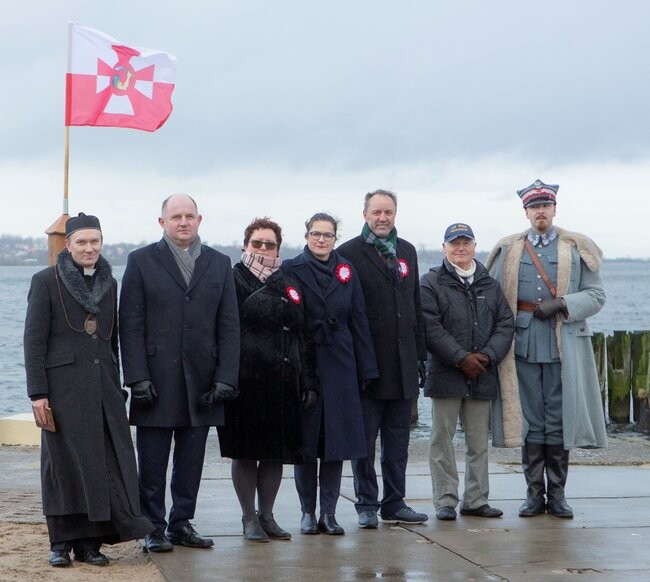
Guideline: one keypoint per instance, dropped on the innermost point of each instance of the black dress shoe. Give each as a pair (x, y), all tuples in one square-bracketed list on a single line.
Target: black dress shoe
[(308, 524), (60, 558), (188, 537), (482, 511), (92, 557), (156, 542), (327, 524)]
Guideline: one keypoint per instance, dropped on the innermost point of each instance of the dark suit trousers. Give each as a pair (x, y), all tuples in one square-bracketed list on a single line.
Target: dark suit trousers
[(391, 419), (308, 476), (154, 445)]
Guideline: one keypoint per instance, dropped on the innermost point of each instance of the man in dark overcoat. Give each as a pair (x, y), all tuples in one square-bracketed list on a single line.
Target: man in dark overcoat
[(388, 270), (88, 472), (179, 335)]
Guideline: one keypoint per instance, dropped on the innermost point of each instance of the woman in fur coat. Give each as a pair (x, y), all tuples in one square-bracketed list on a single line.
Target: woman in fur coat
[(277, 378)]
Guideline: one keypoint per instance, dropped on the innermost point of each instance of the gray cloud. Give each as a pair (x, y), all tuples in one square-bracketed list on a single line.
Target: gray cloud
[(352, 85)]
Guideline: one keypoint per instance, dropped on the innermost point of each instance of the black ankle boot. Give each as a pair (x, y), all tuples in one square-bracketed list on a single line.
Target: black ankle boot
[(328, 525), (309, 524), (272, 529), (253, 530), (557, 469), (532, 462)]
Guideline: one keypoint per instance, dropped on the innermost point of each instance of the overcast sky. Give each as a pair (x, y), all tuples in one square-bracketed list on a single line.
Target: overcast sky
[(290, 107)]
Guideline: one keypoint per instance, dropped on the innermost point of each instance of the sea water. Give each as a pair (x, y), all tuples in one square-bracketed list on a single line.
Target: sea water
[(627, 284)]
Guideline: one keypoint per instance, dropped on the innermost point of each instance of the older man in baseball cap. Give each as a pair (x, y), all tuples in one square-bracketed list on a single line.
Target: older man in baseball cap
[(469, 329)]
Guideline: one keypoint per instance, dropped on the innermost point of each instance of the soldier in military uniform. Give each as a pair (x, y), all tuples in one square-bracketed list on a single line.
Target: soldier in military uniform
[(551, 279)]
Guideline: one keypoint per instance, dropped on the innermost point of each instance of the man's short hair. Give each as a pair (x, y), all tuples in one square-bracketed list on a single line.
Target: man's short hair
[(166, 200), (388, 193)]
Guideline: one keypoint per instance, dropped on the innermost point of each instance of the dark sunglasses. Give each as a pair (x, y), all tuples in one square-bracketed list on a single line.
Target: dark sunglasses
[(257, 244)]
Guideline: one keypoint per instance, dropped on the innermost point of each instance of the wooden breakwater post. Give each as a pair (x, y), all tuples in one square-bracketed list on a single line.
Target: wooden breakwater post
[(599, 345), (641, 379), (619, 375)]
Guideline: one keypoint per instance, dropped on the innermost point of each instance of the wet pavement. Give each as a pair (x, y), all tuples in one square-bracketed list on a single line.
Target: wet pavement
[(609, 538)]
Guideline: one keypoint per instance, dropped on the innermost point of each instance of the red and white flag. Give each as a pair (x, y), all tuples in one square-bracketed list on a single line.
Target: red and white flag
[(111, 84)]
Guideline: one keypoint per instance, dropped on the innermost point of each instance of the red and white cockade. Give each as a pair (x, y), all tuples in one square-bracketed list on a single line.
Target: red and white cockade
[(403, 268), (344, 273), (293, 294)]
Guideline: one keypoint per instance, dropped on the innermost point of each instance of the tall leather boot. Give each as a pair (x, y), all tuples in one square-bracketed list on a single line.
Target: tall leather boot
[(532, 461), (557, 467)]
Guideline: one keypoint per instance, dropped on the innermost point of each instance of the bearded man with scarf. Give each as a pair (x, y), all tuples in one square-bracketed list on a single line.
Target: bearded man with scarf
[(469, 330), (388, 269), (88, 472)]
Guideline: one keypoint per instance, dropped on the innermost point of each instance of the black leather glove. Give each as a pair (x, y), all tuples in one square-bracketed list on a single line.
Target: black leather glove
[(309, 398), (550, 307), (422, 373), (220, 392), (143, 394), (472, 365)]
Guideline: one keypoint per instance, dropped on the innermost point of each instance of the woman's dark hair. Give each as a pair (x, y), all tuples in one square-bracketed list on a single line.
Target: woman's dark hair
[(322, 216), (264, 222)]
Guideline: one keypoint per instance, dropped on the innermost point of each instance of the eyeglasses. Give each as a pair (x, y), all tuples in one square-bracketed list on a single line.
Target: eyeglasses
[(315, 235), (257, 244)]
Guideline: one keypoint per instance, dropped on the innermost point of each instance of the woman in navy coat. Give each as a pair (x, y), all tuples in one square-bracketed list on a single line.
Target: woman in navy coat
[(332, 429)]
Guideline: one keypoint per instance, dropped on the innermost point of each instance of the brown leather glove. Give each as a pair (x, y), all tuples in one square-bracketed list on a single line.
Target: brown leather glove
[(550, 307), (472, 365)]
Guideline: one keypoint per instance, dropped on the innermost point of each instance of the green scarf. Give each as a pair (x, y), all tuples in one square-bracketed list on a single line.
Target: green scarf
[(387, 247)]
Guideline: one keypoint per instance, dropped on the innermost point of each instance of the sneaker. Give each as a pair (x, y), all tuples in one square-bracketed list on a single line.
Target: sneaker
[(405, 515), (368, 520), (446, 513), (482, 511)]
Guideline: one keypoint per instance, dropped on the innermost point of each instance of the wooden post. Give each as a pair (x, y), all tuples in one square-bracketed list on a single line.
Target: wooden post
[(56, 238), (56, 232), (599, 345), (641, 379), (619, 375)]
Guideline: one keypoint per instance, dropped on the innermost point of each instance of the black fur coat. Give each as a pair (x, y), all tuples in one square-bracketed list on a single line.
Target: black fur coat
[(277, 366)]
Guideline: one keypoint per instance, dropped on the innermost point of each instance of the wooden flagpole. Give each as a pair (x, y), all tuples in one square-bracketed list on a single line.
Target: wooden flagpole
[(56, 232)]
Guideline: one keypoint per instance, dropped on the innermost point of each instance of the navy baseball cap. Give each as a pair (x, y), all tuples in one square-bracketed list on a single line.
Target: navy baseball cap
[(457, 230)]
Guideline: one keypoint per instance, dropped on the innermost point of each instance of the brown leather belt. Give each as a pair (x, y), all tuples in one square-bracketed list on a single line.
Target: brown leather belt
[(525, 306)]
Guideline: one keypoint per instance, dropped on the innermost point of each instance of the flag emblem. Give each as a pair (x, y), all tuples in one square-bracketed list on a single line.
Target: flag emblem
[(111, 84)]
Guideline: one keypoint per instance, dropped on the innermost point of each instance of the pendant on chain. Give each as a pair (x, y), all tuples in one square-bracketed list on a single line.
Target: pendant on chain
[(90, 325)]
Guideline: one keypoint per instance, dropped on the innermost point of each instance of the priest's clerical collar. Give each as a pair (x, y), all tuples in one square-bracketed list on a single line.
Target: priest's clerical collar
[(543, 239), (85, 271)]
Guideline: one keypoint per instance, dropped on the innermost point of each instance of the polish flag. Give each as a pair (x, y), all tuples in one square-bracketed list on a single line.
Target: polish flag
[(111, 84)]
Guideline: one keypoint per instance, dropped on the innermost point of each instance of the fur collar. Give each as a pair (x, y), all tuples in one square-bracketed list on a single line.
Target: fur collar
[(74, 282), (589, 251)]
